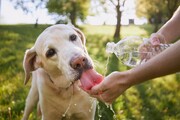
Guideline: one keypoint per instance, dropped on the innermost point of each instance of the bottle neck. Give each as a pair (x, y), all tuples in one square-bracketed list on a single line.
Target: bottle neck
[(110, 47)]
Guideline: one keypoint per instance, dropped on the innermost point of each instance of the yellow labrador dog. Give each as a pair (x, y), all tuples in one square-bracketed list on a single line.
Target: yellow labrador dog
[(57, 60)]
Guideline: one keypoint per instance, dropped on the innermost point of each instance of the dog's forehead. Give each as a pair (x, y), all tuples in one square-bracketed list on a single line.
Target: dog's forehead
[(58, 30), (55, 32), (54, 36)]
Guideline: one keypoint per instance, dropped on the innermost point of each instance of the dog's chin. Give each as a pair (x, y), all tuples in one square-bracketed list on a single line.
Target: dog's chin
[(77, 75)]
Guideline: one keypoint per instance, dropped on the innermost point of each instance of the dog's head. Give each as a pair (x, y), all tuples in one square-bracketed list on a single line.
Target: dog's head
[(59, 50)]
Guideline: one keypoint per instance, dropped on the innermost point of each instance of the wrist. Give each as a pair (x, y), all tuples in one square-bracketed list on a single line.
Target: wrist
[(170, 30), (134, 76), (131, 78), (125, 79)]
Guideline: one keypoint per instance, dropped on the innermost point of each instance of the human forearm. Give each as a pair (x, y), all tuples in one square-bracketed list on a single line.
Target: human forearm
[(165, 63), (171, 30), (116, 83)]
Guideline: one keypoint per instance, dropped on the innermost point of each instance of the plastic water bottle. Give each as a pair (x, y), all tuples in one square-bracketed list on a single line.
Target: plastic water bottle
[(134, 50)]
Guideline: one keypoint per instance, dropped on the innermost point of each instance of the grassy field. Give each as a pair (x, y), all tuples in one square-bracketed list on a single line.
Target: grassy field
[(158, 99)]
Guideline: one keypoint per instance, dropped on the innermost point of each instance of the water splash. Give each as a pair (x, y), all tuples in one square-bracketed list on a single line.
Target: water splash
[(107, 105), (114, 114), (111, 108), (93, 101), (106, 66), (98, 110)]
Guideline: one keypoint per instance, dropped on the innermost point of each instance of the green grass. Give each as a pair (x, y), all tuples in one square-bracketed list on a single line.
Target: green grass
[(14, 40), (157, 99)]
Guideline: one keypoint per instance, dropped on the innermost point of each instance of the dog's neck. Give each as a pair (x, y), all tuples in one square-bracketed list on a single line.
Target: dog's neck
[(67, 88), (60, 82), (60, 87)]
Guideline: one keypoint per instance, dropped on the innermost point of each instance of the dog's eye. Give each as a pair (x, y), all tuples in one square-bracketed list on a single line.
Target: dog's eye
[(73, 37), (50, 53)]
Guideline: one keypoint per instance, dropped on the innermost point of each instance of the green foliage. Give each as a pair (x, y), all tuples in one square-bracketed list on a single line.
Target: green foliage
[(156, 9), (73, 8), (14, 40), (157, 99)]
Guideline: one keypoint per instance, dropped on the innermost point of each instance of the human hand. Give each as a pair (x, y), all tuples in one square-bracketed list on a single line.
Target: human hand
[(111, 87), (156, 39), (152, 47)]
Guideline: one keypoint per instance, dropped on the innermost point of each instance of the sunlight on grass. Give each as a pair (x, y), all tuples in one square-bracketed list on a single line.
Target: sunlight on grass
[(133, 31), (98, 30)]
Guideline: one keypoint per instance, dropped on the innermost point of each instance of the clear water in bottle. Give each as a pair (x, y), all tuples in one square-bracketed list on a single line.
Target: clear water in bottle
[(134, 50)]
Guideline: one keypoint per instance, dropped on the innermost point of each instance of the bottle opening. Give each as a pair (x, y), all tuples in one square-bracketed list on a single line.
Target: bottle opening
[(110, 47)]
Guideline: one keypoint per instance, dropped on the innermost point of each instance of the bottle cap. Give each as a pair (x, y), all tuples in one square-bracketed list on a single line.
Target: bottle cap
[(110, 47)]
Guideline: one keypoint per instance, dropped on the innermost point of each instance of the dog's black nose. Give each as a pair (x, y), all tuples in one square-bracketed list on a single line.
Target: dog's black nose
[(79, 63)]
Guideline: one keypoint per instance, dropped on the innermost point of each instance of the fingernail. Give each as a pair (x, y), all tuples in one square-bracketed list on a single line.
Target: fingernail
[(155, 41)]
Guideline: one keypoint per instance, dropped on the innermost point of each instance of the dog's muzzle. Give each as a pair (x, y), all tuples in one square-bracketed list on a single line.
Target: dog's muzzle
[(80, 63)]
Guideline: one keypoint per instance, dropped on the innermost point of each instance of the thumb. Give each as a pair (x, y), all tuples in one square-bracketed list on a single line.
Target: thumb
[(95, 90)]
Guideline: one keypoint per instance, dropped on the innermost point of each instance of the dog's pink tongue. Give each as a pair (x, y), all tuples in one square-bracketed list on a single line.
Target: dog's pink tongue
[(90, 78)]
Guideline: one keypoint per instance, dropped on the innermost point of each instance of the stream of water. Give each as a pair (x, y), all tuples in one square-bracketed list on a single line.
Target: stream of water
[(107, 105)]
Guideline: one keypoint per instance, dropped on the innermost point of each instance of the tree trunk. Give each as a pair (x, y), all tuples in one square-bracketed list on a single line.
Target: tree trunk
[(73, 14), (156, 27), (36, 24), (73, 18), (118, 24), (157, 21), (172, 5)]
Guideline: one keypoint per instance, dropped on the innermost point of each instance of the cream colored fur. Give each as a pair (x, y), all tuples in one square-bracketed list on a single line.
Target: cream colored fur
[(54, 86)]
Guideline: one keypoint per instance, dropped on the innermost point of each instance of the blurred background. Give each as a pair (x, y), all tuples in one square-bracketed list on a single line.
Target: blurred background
[(21, 21)]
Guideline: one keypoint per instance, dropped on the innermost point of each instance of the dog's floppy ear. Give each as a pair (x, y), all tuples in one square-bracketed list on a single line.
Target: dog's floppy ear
[(81, 35), (83, 39), (29, 63)]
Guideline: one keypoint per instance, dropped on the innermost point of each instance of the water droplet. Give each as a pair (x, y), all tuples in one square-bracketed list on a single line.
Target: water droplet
[(13, 102), (100, 116), (107, 105), (114, 117), (147, 109), (64, 115), (75, 104), (142, 117), (121, 111)]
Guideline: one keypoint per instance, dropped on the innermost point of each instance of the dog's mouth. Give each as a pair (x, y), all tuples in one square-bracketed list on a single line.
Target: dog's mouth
[(80, 71), (90, 78), (84, 72)]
